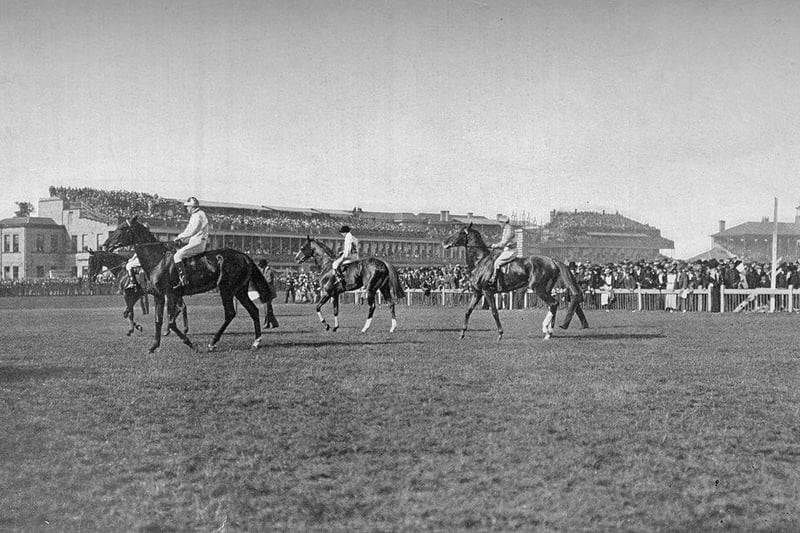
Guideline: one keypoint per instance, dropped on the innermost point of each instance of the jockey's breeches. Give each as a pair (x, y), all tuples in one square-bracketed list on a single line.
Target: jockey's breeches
[(193, 247)]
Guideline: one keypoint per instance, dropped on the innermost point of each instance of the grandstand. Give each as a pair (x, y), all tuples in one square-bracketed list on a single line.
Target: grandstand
[(83, 217), (589, 236)]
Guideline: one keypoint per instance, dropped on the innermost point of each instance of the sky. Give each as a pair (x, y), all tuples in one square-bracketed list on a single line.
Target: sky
[(676, 114)]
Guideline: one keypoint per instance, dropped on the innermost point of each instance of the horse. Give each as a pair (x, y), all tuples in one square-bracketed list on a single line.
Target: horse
[(537, 272), (231, 271), (115, 263), (371, 274)]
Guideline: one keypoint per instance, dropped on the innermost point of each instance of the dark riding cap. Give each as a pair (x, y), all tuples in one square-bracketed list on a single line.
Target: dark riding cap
[(262, 263), (344, 229), (191, 201)]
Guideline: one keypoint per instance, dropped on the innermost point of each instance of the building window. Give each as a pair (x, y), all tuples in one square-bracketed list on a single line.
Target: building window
[(84, 242), (15, 247), (6, 272), (39, 243), (74, 243), (74, 271), (6, 243), (40, 271), (15, 271), (99, 241), (54, 243)]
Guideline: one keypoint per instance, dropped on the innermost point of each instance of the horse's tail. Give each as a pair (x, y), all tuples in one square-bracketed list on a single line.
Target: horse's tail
[(395, 287), (569, 281), (257, 279)]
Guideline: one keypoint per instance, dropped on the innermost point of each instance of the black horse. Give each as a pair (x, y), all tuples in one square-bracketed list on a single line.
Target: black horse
[(372, 274), (540, 273), (230, 271), (115, 263)]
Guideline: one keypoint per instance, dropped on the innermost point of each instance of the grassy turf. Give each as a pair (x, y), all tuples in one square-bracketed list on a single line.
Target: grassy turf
[(647, 421)]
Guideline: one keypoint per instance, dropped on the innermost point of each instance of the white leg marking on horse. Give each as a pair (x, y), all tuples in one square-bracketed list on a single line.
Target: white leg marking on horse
[(394, 326), (546, 323), (367, 324), (321, 318), (336, 322)]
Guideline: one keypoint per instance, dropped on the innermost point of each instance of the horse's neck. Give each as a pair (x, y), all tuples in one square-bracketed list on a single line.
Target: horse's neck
[(323, 256), (476, 252), (111, 260), (150, 256)]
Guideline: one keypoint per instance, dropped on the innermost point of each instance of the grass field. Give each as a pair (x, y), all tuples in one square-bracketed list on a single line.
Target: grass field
[(645, 422)]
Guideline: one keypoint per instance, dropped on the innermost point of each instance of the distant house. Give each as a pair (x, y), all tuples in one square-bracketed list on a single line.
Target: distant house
[(752, 241), (32, 247)]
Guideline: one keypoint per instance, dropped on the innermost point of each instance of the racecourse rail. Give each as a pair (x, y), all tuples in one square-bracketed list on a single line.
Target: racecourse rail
[(713, 299)]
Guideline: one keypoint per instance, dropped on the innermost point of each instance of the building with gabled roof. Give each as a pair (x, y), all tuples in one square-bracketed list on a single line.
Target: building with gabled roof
[(752, 241)]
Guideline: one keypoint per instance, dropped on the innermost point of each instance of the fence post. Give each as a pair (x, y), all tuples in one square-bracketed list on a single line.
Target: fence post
[(638, 300), (791, 298), (721, 297), (408, 297)]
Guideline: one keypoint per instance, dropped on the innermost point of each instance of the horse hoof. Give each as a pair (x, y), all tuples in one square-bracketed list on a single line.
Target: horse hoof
[(153, 348), (463, 333), (212, 347), (335, 328), (125, 314), (547, 336), (562, 326), (499, 337), (328, 327), (138, 327), (130, 331)]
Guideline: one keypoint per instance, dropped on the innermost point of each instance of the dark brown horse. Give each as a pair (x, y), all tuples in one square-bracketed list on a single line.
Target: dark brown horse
[(540, 273), (230, 271), (115, 263), (372, 274)]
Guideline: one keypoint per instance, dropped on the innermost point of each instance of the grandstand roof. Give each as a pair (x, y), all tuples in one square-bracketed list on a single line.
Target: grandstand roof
[(334, 212), (479, 220), (763, 229), (302, 210), (228, 205), (16, 222), (717, 252)]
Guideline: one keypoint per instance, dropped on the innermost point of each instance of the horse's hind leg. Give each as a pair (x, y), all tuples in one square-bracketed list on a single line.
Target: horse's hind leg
[(252, 309), (371, 302), (230, 312), (387, 295)]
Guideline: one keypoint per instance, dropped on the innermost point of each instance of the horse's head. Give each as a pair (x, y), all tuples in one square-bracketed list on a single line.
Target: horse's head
[(460, 237), (306, 251), (120, 237), (94, 265)]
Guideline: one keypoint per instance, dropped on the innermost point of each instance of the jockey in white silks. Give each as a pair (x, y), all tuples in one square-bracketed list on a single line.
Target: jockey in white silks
[(508, 243), (349, 252), (195, 235), (132, 263)]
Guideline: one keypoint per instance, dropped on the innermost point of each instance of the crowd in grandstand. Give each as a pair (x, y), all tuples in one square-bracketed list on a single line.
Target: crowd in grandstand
[(122, 204)]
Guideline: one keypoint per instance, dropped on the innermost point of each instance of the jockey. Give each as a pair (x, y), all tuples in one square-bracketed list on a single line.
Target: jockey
[(349, 252), (196, 235), (132, 263), (508, 243)]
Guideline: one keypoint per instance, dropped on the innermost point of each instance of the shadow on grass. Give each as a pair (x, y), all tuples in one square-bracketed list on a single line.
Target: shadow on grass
[(10, 374), (618, 336), (349, 342)]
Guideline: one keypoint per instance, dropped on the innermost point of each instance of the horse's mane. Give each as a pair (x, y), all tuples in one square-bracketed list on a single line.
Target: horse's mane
[(325, 248), (477, 236)]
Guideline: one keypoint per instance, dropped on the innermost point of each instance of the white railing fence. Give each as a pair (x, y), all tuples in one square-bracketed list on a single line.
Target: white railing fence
[(717, 299)]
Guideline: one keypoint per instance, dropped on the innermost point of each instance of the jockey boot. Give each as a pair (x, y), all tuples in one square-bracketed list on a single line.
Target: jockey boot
[(493, 279), (181, 275), (340, 278)]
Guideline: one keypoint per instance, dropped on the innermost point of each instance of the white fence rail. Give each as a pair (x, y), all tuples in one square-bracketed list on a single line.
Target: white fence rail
[(698, 300)]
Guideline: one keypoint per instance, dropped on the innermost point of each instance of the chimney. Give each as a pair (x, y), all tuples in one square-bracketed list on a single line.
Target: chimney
[(469, 215), (444, 216), (721, 226)]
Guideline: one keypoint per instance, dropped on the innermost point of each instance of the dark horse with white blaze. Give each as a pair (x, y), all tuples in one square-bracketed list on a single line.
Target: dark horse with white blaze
[(115, 263), (372, 274), (539, 273), (230, 271)]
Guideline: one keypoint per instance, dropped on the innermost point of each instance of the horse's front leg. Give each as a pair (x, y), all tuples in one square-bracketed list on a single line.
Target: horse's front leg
[(172, 317), (336, 311), (552, 308), (493, 307), (370, 312), (322, 302), (130, 300), (476, 297), (159, 320)]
